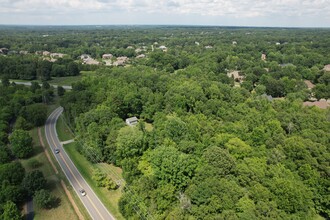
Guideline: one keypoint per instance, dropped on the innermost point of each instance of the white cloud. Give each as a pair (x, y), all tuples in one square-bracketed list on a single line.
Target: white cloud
[(238, 9)]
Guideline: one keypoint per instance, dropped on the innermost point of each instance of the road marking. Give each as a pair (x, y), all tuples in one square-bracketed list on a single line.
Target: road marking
[(54, 143)]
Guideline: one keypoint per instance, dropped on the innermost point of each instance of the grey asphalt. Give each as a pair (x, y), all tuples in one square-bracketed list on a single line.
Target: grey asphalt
[(92, 203), (29, 210), (29, 84)]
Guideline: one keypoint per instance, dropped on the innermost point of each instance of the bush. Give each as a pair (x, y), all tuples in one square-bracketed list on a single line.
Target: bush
[(44, 199)]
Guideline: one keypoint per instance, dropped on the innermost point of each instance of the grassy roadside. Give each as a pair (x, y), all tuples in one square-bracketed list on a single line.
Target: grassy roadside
[(63, 132), (109, 198), (64, 210), (64, 81)]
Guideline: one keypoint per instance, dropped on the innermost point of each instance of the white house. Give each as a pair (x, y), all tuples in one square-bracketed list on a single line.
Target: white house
[(132, 121)]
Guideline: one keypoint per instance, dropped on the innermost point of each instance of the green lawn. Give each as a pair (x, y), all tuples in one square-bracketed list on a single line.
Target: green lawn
[(109, 198), (64, 81)]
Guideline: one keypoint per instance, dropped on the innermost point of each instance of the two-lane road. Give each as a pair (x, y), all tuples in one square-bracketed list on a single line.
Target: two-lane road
[(92, 203)]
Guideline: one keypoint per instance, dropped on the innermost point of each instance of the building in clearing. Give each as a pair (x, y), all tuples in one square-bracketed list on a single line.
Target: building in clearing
[(309, 84), (107, 56), (322, 103), (141, 56), (132, 121), (326, 67)]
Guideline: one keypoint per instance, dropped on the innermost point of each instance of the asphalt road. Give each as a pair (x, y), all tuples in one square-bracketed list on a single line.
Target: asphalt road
[(29, 84), (92, 203)]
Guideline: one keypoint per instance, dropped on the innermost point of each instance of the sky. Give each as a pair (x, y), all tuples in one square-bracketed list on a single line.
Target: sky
[(270, 13)]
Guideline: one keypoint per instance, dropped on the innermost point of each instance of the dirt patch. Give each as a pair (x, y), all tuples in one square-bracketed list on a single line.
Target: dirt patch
[(75, 207)]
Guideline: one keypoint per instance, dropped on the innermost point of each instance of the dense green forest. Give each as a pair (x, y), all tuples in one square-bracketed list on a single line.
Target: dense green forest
[(208, 145), (21, 109)]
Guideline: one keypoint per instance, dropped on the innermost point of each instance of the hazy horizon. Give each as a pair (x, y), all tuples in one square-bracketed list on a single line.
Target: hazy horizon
[(241, 13)]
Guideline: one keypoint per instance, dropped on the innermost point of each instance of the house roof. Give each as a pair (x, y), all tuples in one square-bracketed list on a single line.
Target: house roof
[(320, 104), (309, 84), (327, 67), (132, 120), (268, 97)]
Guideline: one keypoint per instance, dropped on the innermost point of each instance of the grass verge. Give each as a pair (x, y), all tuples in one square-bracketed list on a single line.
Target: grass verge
[(109, 198), (63, 131), (39, 161), (64, 81)]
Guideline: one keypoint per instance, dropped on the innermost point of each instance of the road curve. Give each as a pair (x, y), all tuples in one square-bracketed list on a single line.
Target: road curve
[(92, 203)]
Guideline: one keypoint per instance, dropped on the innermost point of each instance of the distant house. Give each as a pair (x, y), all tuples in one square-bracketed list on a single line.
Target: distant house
[(87, 59), (84, 56), (263, 57), (277, 43), (57, 55), (141, 56), (107, 56), (121, 61), (4, 50), (130, 47), (323, 104), (309, 84), (45, 53), (327, 68), (132, 121), (23, 52), (208, 47), (234, 43), (235, 75), (197, 43), (163, 48), (268, 97)]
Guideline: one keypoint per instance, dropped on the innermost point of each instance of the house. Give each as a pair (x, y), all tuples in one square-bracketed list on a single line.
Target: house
[(84, 56), (327, 68), (57, 55), (197, 43), (163, 48), (141, 56), (107, 56), (208, 47), (132, 121), (268, 97), (91, 61), (87, 59), (277, 43), (4, 50), (120, 61), (23, 52), (46, 53), (309, 84), (263, 57), (323, 104), (234, 43), (235, 75)]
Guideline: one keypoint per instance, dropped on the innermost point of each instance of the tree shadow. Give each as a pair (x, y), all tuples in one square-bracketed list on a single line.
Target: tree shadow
[(51, 184), (56, 203), (37, 150)]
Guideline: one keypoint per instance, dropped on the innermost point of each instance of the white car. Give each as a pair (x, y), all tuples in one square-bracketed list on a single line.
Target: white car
[(57, 151), (82, 192)]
